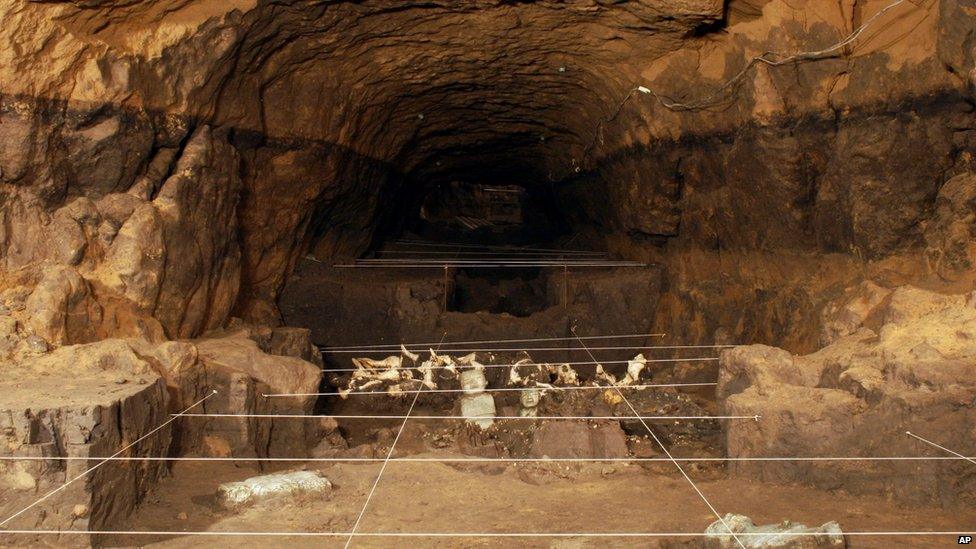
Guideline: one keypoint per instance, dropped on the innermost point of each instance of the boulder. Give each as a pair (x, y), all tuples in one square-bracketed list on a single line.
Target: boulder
[(760, 366), (242, 373), (61, 309), (80, 401), (573, 439), (785, 535), (857, 397), (234, 496), (133, 264), (949, 234), (197, 205), (856, 307)]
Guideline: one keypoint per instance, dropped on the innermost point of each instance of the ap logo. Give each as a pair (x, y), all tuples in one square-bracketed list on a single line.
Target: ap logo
[(965, 540)]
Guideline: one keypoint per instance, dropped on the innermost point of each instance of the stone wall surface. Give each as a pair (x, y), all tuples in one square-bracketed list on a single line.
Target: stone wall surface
[(165, 165), (312, 125), (857, 397)]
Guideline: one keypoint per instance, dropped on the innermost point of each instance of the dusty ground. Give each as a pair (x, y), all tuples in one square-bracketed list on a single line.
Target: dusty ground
[(435, 497)]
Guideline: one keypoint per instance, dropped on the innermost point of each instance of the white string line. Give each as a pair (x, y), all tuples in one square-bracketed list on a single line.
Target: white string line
[(499, 460), (927, 441), (382, 470), (477, 262), (435, 260), (535, 418), (512, 253), (484, 266), (471, 342), (426, 244), (385, 463), (177, 533), (667, 453), (494, 253), (506, 350), (456, 247), (529, 365), (499, 390), (103, 462)]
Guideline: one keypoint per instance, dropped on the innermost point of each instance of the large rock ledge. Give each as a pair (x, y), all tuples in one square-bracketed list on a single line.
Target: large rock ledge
[(109, 399), (120, 390), (858, 396)]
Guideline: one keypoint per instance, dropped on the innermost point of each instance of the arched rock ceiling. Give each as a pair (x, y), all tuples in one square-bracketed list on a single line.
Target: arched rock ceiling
[(436, 87)]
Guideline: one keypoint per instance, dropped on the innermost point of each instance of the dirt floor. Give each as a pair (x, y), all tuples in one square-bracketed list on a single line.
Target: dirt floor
[(437, 497)]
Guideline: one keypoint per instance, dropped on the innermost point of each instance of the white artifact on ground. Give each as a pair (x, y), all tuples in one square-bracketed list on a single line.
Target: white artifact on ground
[(236, 495), (526, 372), (476, 405), (473, 382), (634, 368), (565, 374), (393, 373), (785, 535), (529, 402), (390, 373)]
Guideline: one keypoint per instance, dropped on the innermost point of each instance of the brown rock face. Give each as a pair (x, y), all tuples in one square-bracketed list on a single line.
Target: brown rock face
[(857, 396), (579, 440), (197, 205), (166, 164), (242, 375), (61, 309), (186, 154), (85, 401)]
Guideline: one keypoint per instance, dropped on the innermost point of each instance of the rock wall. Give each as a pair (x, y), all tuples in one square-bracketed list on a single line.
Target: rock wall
[(914, 371), (120, 390), (393, 307), (318, 126), (165, 164), (767, 197), (111, 399)]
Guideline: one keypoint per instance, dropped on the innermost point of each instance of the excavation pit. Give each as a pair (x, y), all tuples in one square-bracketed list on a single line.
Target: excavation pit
[(538, 273)]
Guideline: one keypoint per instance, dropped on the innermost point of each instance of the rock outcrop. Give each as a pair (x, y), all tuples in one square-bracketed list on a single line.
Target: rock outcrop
[(87, 402), (184, 155), (83, 402), (857, 397), (243, 375), (164, 165), (565, 439)]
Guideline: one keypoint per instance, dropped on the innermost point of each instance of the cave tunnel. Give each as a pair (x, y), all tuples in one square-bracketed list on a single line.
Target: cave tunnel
[(621, 272)]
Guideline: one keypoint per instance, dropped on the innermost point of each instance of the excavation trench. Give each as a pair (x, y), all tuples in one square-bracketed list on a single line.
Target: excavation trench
[(244, 209)]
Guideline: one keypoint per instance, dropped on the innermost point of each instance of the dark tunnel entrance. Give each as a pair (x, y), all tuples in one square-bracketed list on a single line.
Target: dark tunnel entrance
[(499, 240)]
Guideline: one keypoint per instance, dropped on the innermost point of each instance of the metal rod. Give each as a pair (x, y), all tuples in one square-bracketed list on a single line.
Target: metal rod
[(485, 246), (492, 261), (493, 253)]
